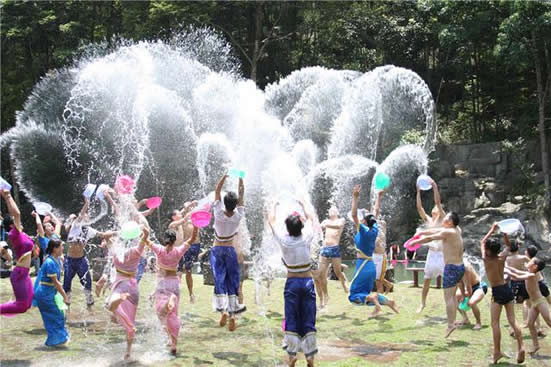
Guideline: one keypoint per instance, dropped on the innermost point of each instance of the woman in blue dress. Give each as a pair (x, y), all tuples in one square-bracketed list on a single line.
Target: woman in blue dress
[(45, 289), (365, 272)]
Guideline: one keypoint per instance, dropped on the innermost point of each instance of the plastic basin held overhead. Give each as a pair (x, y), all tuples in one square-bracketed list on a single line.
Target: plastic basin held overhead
[(42, 208), (125, 184), (382, 181), (154, 202), (510, 226), (424, 182), (89, 190), (200, 218), (130, 230)]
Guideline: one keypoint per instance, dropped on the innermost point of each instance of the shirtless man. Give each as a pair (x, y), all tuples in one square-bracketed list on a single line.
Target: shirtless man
[(181, 223), (476, 289), (539, 303), (502, 296), (452, 246), (330, 253), (76, 263), (434, 266), (379, 254)]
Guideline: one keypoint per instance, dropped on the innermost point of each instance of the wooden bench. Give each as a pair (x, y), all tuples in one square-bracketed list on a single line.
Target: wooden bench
[(416, 272)]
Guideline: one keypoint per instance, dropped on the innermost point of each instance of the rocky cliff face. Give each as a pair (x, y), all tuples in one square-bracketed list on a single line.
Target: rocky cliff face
[(478, 181)]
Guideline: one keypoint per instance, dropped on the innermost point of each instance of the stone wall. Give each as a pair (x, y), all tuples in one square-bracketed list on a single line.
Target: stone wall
[(477, 181)]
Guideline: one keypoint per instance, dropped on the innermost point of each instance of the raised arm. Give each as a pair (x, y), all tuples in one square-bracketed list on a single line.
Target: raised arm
[(437, 201), (440, 235), (420, 208), (270, 213), (485, 238), (56, 222), (141, 203), (307, 213), (377, 206), (193, 237), (13, 209), (84, 210), (355, 197), (241, 192), (217, 195), (39, 227)]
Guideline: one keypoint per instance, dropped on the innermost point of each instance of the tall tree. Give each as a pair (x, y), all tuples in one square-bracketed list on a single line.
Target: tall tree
[(525, 37)]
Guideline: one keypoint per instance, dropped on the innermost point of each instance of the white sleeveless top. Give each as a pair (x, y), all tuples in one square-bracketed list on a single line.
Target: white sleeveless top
[(225, 228), (295, 251)]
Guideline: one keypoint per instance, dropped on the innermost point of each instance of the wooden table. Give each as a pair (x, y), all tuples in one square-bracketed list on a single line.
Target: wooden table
[(416, 272)]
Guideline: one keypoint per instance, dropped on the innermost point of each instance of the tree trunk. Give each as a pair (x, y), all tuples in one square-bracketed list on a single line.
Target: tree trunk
[(258, 21), (541, 116)]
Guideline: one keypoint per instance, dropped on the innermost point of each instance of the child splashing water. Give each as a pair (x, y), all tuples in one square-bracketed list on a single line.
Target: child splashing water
[(167, 294), (299, 294), (223, 258)]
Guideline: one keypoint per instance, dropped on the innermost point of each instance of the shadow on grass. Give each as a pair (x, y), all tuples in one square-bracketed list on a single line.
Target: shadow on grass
[(341, 316), (15, 363), (198, 361), (35, 332), (127, 364), (234, 358), (272, 314)]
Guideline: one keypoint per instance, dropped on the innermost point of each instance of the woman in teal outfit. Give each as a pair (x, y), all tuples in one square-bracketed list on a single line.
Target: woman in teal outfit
[(45, 289), (365, 272)]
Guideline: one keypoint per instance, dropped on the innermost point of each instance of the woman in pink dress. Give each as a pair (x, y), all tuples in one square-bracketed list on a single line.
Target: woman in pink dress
[(125, 294), (167, 294), (22, 246)]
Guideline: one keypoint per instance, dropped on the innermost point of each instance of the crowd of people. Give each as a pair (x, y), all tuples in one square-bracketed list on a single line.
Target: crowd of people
[(511, 276)]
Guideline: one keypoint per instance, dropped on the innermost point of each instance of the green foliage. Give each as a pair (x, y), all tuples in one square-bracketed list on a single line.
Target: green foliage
[(474, 55), (525, 182)]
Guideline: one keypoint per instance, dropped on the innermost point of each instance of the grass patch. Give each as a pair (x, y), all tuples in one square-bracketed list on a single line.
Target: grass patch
[(346, 336)]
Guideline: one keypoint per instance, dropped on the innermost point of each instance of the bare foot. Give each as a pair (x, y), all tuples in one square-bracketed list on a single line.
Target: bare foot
[(535, 350), (231, 326), (173, 351), (346, 290), (223, 319), (127, 356), (520, 356), (192, 298), (450, 331), (310, 362), (477, 326), (421, 307), (99, 286), (541, 334), (392, 305), (498, 356), (376, 311)]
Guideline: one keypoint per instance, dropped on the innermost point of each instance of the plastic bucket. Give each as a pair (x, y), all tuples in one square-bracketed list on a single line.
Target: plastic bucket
[(100, 192), (463, 306), (236, 173)]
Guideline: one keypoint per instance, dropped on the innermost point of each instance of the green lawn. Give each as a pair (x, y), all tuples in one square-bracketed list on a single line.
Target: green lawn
[(346, 337)]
